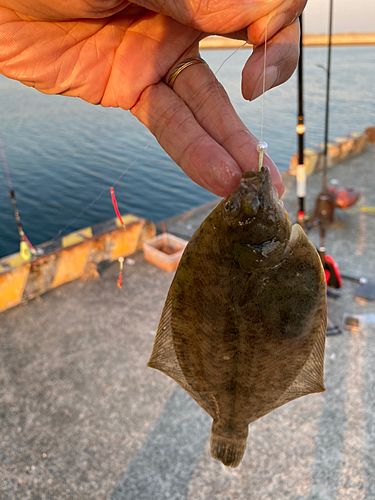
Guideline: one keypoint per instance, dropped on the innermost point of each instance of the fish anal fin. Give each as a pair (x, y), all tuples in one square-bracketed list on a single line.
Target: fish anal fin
[(164, 359)]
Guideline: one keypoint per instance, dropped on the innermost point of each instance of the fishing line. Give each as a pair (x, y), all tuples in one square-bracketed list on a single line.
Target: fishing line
[(110, 188), (70, 209), (26, 247), (262, 146), (264, 83), (114, 202), (230, 55)]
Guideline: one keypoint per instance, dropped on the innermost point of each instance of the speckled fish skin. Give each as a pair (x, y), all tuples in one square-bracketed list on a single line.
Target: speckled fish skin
[(243, 326)]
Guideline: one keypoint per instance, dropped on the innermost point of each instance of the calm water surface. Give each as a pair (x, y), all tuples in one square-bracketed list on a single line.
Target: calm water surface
[(63, 152)]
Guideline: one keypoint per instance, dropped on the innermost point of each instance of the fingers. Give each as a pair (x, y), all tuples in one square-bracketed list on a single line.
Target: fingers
[(228, 16), (186, 142), (198, 127), (212, 108), (283, 34), (281, 60), (280, 16)]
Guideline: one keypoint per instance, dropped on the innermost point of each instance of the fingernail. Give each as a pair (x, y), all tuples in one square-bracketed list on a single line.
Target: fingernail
[(271, 76)]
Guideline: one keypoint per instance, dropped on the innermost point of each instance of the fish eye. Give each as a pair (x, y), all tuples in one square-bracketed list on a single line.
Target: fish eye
[(232, 206)]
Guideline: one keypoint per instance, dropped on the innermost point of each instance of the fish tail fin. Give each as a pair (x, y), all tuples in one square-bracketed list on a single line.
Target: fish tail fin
[(228, 449)]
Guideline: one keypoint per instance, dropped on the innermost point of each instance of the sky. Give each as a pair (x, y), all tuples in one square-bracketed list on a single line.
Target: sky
[(348, 16)]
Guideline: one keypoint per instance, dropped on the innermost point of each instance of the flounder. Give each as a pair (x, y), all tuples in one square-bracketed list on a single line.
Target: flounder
[(243, 326)]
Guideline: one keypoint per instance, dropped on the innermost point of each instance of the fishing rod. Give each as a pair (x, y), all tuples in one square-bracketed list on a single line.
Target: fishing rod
[(26, 248), (300, 129), (331, 270), (323, 197)]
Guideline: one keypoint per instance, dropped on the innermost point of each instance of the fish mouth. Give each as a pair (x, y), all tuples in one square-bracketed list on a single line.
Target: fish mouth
[(264, 248), (268, 246)]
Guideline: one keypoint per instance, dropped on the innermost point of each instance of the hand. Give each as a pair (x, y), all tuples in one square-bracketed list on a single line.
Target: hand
[(117, 53)]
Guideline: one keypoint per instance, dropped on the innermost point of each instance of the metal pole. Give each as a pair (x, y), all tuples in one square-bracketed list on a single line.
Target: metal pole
[(323, 198), (324, 177), (301, 170)]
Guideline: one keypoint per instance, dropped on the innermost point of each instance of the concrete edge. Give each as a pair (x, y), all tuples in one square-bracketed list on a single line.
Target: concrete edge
[(339, 149), (308, 40), (70, 257)]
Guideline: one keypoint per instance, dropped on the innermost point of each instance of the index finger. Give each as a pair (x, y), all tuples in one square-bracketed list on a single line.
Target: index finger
[(198, 127)]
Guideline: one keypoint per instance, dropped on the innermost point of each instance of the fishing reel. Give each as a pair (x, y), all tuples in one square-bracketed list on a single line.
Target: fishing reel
[(332, 275), (332, 272)]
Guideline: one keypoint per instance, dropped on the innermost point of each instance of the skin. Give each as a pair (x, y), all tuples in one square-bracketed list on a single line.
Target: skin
[(119, 54)]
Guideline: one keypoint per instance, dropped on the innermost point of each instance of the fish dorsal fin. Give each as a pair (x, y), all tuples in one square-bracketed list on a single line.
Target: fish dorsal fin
[(311, 377)]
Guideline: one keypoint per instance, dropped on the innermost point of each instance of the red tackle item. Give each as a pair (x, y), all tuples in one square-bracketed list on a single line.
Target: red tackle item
[(327, 275), (27, 241), (114, 202), (119, 281), (334, 279)]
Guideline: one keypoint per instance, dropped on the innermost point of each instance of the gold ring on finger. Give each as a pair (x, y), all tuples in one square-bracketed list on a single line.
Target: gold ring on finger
[(180, 68)]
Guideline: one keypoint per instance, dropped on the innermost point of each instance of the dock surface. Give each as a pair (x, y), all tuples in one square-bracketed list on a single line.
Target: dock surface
[(83, 418)]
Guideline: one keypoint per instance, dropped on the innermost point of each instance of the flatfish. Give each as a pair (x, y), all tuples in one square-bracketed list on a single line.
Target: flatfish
[(243, 326)]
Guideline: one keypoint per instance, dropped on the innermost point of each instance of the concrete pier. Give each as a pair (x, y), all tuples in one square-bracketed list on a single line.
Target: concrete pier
[(309, 40), (83, 418)]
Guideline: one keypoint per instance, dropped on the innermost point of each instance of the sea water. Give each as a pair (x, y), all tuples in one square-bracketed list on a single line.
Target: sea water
[(62, 152)]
